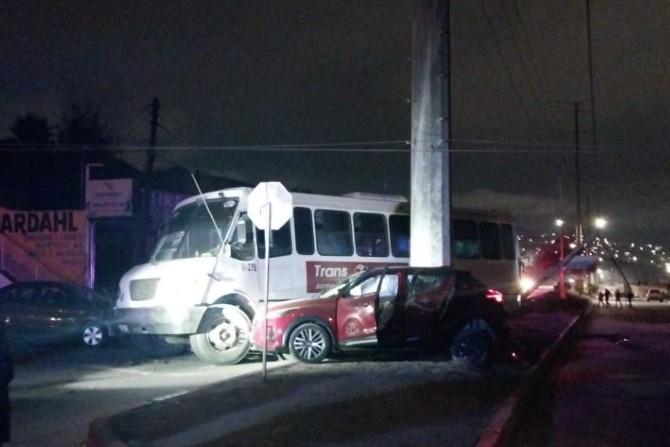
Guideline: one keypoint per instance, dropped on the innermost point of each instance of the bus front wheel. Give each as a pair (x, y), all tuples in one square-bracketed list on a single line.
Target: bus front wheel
[(226, 339)]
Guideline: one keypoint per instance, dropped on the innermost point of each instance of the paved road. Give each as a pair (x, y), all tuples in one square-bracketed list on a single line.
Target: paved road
[(614, 389), (56, 394)]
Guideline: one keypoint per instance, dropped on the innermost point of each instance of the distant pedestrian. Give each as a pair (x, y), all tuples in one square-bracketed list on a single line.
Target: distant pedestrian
[(629, 295), (6, 376), (617, 298), (607, 297), (601, 296)]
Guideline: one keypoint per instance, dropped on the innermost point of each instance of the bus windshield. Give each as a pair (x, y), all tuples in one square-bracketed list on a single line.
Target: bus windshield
[(191, 232)]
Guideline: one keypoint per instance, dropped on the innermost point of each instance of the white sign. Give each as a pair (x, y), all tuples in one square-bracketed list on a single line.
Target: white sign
[(273, 198), (109, 197)]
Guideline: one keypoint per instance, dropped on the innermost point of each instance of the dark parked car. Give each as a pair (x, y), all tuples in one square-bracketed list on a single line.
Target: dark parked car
[(39, 312), (390, 308), (6, 376)]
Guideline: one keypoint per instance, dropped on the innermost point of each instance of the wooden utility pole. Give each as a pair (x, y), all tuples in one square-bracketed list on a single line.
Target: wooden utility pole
[(147, 231)]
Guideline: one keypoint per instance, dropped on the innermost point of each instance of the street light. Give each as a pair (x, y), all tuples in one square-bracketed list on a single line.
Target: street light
[(561, 282), (600, 223)]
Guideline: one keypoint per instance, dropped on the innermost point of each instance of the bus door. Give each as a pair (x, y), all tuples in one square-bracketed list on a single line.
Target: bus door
[(282, 263)]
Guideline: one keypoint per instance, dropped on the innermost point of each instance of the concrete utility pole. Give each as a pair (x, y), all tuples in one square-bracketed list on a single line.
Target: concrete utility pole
[(430, 237)]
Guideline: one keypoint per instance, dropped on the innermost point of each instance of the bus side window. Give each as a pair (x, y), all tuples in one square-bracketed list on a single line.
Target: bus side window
[(281, 241), (333, 233), (490, 239), (304, 231), (466, 240), (399, 226), (370, 232), (507, 239), (243, 248)]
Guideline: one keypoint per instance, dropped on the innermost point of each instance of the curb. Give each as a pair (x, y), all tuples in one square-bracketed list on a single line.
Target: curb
[(497, 433), (101, 434)]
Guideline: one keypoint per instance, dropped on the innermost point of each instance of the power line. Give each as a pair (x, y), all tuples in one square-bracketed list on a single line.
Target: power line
[(526, 39), (459, 146), (519, 53), (531, 125)]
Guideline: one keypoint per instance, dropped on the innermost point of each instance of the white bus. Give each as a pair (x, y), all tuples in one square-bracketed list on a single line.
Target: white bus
[(197, 290)]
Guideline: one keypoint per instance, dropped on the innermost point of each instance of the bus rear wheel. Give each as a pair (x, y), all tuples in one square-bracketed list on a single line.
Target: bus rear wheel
[(226, 340)]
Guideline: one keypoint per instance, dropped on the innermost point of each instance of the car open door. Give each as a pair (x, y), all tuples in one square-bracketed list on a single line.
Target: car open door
[(427, 290), (356, 322), (390, 309)]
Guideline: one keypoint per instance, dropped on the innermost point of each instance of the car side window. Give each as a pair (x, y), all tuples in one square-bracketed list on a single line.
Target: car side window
[(389, 287), (24, 296), (387, 291), (424, 282), (53, 296), (367, 286)]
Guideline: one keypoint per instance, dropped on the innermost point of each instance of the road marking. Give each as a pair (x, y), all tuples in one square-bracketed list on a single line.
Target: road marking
[(169, 396)]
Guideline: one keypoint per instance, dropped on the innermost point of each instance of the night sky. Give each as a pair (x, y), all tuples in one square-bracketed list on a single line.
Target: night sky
[(320, 72)]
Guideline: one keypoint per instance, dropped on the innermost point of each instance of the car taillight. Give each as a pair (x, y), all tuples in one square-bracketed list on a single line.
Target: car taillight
[(493, 294)]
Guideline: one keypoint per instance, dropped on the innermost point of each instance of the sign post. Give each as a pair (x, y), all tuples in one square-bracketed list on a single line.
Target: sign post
[(269, 207)]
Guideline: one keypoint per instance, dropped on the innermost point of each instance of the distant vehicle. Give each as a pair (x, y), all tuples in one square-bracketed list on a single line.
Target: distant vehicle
[(390, 308), (44, 312), (206, 276), (656, 295)]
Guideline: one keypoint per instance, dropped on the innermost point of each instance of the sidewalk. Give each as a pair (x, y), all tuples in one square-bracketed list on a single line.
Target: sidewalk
[(416, 399), (614, 389)]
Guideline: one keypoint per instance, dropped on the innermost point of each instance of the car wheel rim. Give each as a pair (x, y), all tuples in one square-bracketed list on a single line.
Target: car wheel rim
[(92, 336), (309, 343), (474, 348)]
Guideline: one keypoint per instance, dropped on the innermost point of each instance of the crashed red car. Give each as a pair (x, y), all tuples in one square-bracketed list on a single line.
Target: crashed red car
[(392, 307)]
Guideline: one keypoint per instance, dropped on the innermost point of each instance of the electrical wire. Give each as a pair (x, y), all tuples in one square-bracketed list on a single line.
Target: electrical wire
[(489, 21)]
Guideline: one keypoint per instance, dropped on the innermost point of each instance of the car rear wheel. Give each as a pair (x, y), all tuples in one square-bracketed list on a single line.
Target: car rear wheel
[(227, 338), (309, 343), (93, 334), (472, 343)]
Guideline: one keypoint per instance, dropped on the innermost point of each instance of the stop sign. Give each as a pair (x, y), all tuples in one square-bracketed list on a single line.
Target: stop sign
[(273, 198)]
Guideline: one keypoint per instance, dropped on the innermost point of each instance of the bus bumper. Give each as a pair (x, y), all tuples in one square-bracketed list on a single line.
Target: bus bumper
[(159, 320)]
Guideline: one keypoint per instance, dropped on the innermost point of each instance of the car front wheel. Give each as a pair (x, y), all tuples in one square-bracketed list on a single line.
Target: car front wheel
[(310, 343), (93, 335), (472, 343)]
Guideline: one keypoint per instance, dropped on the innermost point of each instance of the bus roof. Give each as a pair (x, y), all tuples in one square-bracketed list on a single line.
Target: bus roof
[(352, 201)]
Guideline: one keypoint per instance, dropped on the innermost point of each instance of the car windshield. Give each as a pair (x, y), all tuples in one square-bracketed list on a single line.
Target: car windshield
[(191, 232), (344, 284)]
